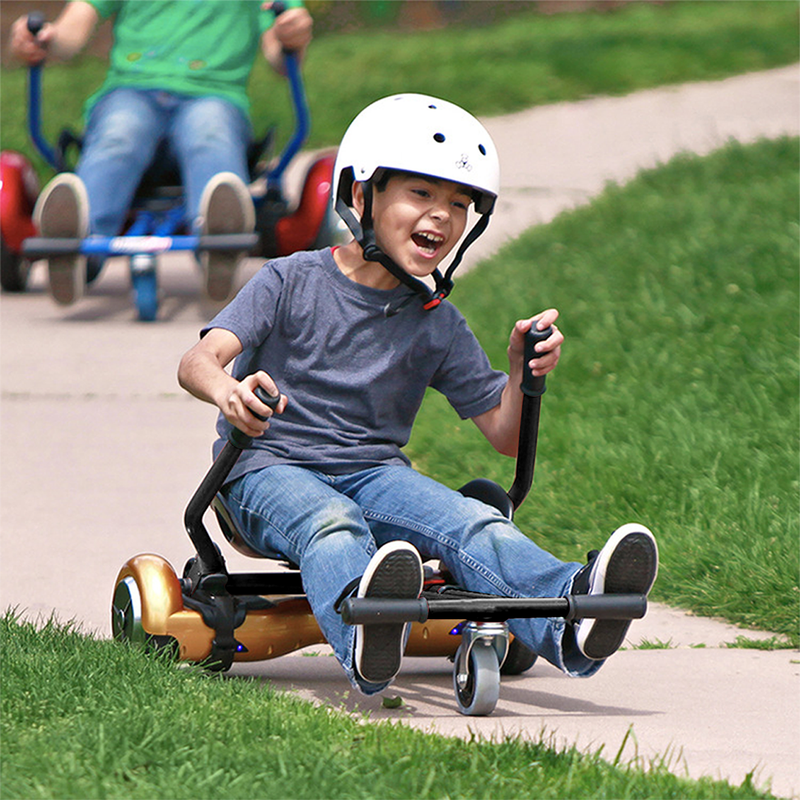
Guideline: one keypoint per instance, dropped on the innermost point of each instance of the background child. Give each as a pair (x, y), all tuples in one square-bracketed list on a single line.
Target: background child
[(354, 337), (174, 100)]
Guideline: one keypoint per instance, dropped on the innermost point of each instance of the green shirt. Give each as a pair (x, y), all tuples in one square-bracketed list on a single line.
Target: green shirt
[(188, 47)]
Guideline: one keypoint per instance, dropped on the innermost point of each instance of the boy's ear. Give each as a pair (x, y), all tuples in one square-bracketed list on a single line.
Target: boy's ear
[(358, 197)]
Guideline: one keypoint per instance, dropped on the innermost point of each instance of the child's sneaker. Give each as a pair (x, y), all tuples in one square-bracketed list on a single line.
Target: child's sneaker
[(62, 212), (394, 571), (225, 207), (627, 564)]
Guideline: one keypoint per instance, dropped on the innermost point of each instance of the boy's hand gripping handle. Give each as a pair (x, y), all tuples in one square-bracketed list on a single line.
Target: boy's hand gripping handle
[(241, 440)]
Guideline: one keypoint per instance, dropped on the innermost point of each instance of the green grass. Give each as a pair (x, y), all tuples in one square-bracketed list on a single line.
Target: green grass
[(675, 403), (527, 60), (83, 718)]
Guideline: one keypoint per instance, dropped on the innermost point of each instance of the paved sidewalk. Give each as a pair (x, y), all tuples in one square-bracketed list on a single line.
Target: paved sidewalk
[(101, 451)]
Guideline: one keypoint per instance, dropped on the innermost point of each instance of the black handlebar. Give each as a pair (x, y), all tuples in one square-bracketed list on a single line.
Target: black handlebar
[(212, 483), (372, 611)]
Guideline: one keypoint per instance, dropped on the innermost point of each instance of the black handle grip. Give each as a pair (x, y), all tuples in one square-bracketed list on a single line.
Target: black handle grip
[(533, 385), (267, 399), (382, 610), (35, 22), (241, 440), (606, 606)]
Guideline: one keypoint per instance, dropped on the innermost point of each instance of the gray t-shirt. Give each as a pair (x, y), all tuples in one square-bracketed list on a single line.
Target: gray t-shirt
[(354, 378)]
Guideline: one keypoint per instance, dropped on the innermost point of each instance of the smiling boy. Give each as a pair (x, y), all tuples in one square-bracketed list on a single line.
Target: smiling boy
[(353, 338)]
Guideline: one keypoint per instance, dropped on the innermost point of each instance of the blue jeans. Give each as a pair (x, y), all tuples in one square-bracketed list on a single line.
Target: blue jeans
[(331, 525), (201, 136)]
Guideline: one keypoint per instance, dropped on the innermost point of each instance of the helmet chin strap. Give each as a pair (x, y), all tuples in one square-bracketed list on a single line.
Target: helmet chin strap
[(365, 236)]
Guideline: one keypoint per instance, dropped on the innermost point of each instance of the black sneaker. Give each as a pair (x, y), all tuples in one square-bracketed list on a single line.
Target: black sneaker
[(394, 571), (627, 564), (62, 212), (225, 207)]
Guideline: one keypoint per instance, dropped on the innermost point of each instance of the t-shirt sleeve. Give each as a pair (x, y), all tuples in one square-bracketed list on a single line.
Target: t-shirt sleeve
[(105, 8), (251, 315), (466, 377)]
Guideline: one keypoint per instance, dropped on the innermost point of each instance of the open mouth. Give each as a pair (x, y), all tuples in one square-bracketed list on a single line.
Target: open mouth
[(428, 243)]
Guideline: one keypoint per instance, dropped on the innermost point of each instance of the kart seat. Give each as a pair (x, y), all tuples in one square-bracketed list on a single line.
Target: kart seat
[(159, 177)]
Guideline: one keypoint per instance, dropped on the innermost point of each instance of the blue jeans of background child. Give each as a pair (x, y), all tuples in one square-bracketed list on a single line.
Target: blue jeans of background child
[(331, 525), (203, 135)]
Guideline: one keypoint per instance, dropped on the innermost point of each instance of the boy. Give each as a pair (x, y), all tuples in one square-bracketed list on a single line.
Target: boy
[(353, 338)]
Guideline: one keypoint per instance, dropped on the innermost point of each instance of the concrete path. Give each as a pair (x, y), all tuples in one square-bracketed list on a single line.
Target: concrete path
[(101, 451)]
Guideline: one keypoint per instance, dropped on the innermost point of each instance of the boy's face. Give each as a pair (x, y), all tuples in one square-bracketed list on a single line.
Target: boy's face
[(418, 220)]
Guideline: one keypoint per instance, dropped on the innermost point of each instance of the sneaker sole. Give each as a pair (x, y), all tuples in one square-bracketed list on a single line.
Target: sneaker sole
[(630, 568), (379, 648), (226, 212), (63, 214)]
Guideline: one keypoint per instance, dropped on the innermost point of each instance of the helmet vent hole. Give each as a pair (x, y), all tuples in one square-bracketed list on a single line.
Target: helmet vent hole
[(482, 149), (438, 137)]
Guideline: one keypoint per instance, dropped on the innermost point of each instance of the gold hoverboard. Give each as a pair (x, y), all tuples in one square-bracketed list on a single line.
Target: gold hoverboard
[(216, 618)]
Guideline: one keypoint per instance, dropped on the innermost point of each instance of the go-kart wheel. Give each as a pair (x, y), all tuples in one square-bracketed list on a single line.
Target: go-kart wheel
[(146, 594), (14, 269), (478, 690), (518, 659), (145, 286)]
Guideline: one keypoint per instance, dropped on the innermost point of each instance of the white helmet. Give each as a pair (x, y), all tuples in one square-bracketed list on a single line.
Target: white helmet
[(423, 135)]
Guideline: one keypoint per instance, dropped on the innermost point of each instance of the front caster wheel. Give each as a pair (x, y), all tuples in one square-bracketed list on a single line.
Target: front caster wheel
[(476, 680)]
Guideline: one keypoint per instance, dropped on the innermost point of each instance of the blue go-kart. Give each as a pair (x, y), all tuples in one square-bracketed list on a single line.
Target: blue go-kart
[(157, 222), (213, 617)]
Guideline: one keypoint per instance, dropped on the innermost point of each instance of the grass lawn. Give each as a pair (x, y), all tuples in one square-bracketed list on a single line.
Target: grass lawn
[(527, 60), (83, 719), (675, 404)]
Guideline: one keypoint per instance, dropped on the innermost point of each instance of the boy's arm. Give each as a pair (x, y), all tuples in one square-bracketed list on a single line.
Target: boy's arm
[(500, 425), (61, 39), (290, 31), (202, 373)]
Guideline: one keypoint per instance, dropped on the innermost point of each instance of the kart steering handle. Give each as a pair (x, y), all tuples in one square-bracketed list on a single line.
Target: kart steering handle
[(533, 385), (240, 440), (299, 105), (267, 399), (35, 23), (213, 482)]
